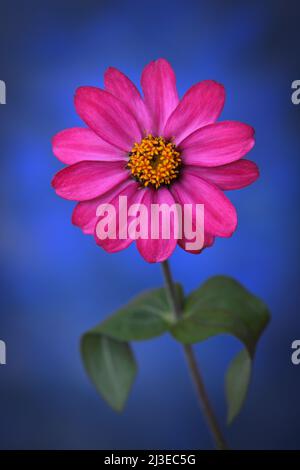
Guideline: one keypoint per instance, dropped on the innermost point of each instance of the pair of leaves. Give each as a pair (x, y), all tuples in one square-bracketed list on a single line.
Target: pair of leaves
[(106, 354), (221, 305)]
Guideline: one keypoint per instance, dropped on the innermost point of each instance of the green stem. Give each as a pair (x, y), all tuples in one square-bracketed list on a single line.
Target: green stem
[(192, 364)]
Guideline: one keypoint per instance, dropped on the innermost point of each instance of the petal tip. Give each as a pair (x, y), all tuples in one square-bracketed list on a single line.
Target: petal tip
[(110, 71), (55, 183)]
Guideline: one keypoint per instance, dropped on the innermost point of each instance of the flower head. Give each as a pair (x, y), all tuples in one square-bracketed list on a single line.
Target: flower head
[(154, 161), (154, 149)]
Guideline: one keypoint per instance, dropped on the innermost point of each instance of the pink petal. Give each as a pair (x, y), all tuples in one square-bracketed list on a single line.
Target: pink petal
[(78, 144), (235, 175), (120, 86), (217, 144), (108, 117), (201, 105), (220, 218), (208, 241), (84, 214), (87, 180), (134, 195), (159, 87), (158, 250)]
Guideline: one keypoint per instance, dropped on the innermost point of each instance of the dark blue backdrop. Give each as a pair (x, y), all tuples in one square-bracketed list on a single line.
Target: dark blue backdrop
[(55, 282)]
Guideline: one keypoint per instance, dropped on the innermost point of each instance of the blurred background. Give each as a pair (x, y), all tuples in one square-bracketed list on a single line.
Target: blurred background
[(56, 284)]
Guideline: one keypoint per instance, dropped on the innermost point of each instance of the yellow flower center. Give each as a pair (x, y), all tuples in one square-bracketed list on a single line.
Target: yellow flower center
[(154, 161)]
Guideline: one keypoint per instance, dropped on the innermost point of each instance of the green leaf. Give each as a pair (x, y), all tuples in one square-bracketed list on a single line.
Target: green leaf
[(106, 354), (145, 317), (110, 365), (223, 305), (236, 383)]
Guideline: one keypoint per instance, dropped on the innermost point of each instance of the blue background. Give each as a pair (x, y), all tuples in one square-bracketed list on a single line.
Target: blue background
[(55, 282)]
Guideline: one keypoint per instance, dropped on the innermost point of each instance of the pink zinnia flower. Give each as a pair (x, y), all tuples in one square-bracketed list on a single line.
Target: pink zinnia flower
[(153, 149)]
